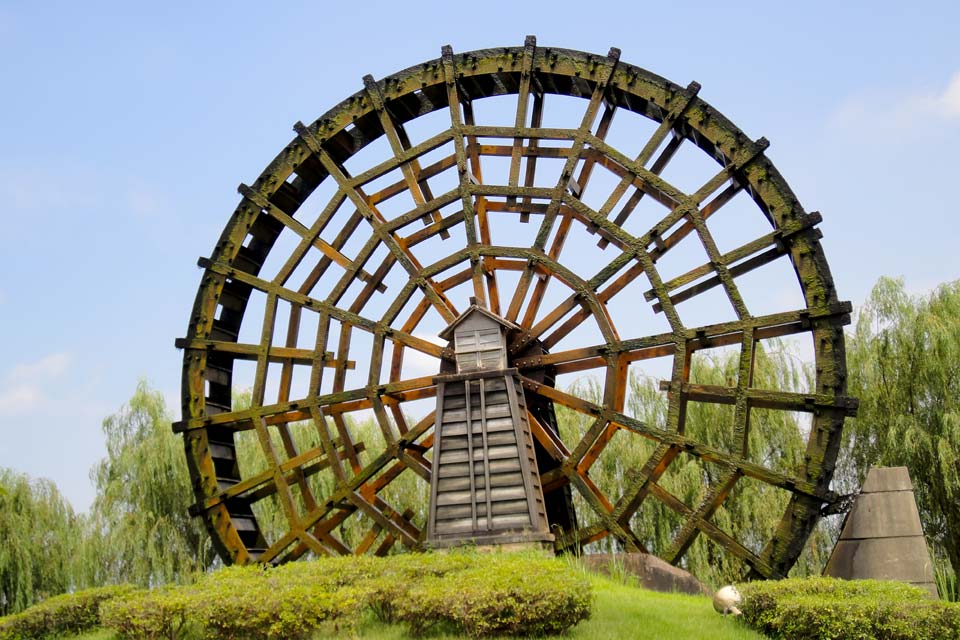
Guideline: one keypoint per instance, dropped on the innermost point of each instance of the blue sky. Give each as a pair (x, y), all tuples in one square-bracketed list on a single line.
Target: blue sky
[(127, 128)]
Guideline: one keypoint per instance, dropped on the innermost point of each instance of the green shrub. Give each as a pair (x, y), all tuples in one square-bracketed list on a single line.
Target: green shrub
[(479, 594), (398, 574), (245, 602), (827, 609), (70, 613), (149, 615), (499, 595), (272, 608)]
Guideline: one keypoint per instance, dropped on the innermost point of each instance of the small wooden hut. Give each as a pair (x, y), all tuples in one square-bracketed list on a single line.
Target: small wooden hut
[(485, 487)]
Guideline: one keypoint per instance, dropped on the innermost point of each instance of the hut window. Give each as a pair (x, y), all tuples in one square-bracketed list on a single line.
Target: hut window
[(479, 349)]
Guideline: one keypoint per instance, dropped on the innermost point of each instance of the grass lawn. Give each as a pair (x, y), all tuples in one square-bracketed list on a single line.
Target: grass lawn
[(620, 611)]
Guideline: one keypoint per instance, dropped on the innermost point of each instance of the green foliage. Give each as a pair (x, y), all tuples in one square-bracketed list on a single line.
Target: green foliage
[(480, 594), (39, 534), (238, 602), (946, 580), (261, 605), (384, 581), (65, 614), (766, 593), (157, 614), (827, 608), (139, 528), (903, 365), (776, 440), (500, 595)]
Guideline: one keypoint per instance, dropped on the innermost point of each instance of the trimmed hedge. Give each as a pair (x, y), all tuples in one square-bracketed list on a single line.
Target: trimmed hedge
[(501, 596), (152, 615), (829, 608), (70, 613), (477, 594), (236, 602), (250, 602)]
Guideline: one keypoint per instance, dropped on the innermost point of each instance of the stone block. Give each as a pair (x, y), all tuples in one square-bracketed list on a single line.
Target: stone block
[(887, 479), (881, 559), (891, 514), (651, 572), (882, 538)]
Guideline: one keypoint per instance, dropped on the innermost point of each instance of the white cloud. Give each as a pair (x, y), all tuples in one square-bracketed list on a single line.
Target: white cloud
[(24, 384), (886, 113), (47, 367), (949, 101), (20, 399)]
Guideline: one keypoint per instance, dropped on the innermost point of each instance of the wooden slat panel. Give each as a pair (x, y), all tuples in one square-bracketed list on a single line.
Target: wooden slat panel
[(448, 456), (454, 498), (453, 512), (454, 471), (453, 484), (494, 384), (497, 494), (454, 442), (456, 526), (507, 493), (501, 438), (511, 521), (504, 466), (454, 429), (499, 424), (502, 452), (505, 479), (454, 402), (506, 507), (496, 397), (498, 411)]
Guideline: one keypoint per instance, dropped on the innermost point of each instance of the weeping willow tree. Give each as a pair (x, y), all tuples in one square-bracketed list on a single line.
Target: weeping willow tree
[(139, 530), (38, 540), (904, 365), (776, 440), (406, 492)]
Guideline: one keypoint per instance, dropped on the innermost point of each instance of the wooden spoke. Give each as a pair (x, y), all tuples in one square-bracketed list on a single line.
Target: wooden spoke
[(403, 256), (523, 98), (556, 195), (678, 107), (307, 234), (471, 216), (717, 535), (413, 175), (717, 335)]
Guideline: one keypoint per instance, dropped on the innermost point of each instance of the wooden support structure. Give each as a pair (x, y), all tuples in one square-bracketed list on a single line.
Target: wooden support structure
[(486, 486)]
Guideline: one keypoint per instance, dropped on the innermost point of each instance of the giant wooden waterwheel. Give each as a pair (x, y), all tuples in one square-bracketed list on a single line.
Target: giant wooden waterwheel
[(616, 218)]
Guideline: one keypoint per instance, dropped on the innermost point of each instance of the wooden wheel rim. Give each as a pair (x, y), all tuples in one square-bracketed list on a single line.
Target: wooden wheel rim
[(452, 84)]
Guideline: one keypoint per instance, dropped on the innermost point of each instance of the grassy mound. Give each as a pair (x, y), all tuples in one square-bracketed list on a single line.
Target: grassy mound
[(465, 593), (383, 590), (61, 615)]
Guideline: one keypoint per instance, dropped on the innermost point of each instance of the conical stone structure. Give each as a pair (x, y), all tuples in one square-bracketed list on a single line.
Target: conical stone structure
[(882, 538)]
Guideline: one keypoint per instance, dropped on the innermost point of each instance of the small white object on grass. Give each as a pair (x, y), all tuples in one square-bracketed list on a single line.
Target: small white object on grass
[(726, 600)]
